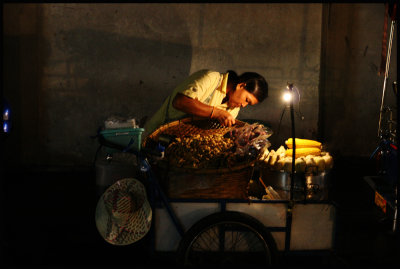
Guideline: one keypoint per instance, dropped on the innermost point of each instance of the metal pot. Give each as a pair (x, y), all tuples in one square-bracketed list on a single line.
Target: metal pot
[(317, 184)]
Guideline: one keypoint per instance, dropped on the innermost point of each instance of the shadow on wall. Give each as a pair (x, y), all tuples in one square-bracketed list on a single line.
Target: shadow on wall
[(125, 74), (91, 75), (112, 75)]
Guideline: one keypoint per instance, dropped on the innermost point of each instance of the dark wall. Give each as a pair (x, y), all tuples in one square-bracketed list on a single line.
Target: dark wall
[(67, 67), (351, 89)]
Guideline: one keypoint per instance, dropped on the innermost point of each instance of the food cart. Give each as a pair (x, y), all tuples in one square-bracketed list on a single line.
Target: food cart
[(298, 218), (250, 211)]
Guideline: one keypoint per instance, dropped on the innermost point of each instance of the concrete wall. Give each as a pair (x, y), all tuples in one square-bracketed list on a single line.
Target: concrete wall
[(67, 67), (351, 89)]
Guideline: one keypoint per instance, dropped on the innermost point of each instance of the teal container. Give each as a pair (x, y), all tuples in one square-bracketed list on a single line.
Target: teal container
[(124, 137)]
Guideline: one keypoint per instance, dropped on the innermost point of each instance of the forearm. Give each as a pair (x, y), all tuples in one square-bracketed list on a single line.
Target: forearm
[(192, 106), (197, 108)]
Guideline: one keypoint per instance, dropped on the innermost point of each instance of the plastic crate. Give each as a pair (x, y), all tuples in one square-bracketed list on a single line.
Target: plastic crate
[(127, 137)]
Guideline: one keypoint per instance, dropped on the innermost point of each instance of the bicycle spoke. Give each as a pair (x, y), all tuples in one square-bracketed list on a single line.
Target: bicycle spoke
[(204, 241), (228, 242)]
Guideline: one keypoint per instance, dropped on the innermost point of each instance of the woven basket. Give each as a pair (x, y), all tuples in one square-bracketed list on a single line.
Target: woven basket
[(228, 185), (191, 126), (222, 182)]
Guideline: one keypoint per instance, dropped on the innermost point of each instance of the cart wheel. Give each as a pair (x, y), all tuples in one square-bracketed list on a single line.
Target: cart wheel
[(227, 238)]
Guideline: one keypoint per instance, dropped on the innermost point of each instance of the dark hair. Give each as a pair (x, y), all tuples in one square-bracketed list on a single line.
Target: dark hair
[(255, 83)]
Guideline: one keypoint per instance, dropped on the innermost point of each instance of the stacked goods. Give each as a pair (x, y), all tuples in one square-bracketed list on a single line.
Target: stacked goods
[(303, 143), (304, 147), (309, 157), (200, 151), (206, 160), (237, 145)]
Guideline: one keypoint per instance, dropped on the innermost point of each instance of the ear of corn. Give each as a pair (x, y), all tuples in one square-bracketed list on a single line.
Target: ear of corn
[(274, 157), (300, 165), (304, 152), (311, 164), (263, 154), (288, 164), (320, 163), (279, 164), (281, 151), (312, 160), (303, 143), (328, 161)]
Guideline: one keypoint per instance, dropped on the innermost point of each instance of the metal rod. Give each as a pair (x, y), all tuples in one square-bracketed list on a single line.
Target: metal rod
[(386, 74), (394, 227), (290, 87), (164, 200), (291, 202), (397, 219)]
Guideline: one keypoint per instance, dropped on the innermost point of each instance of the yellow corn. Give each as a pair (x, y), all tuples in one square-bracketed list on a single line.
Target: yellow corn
[(304, 152), (328, 161), (320, 163), (303, 143)]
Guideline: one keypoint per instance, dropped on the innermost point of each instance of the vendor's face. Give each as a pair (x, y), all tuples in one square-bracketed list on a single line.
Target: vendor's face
[(241, 97)]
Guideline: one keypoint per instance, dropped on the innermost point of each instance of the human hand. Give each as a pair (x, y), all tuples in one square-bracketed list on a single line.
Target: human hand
[(224, 117)]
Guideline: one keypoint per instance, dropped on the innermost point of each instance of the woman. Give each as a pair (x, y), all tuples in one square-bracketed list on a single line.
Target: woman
[(210, 94)]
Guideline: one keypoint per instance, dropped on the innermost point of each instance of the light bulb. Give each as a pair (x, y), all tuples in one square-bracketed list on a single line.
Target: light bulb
[(287, 97)]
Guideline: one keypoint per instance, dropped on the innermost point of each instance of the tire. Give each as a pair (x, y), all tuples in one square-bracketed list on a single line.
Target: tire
[(245, 241)]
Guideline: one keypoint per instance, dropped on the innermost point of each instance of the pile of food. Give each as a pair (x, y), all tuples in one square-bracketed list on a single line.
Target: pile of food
[(310, 158), (220, 149), (200, 151)]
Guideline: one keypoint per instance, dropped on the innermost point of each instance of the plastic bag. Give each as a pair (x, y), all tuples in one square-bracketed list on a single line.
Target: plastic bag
[(250, 139), (115, 122)]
